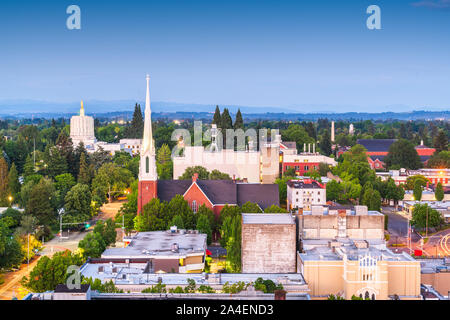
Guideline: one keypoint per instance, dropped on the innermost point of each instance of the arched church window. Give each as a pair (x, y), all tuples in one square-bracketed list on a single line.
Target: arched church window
[(367, 296), (147, 165), (373, 296)]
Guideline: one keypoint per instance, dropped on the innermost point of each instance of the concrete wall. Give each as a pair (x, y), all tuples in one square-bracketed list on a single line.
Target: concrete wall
[(440, 281), (326, 226), (268, 248), (241, 164)]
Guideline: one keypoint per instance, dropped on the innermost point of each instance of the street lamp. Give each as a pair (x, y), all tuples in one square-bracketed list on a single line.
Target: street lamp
[(10, 198), (61, 212)]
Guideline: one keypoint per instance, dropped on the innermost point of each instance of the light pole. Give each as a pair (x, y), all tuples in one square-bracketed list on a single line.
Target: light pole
[(61, 212), (10, 198)]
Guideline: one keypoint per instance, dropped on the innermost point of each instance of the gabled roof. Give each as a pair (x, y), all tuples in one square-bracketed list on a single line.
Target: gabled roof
[(373, 145), (221, 192), (167, 189), (264, 195), (289, 144)]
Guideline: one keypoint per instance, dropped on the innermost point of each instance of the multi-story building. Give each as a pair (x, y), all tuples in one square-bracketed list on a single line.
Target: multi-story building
[(178, 251), (251, 164), (305, 193), (305, 161), (214, 194), (434, 176), (362, 268), (331, 222), (132, 144), (268, 243), (378, 149)]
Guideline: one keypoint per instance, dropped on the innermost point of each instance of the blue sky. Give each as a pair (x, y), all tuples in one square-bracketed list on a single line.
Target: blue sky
[(304, 55)]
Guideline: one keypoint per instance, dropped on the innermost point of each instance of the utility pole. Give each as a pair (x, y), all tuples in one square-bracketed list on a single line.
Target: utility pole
[(34, 154), (426, 228), (28, 253)]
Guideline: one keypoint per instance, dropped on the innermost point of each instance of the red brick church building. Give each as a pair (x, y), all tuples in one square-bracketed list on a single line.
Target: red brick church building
[(214, 194)]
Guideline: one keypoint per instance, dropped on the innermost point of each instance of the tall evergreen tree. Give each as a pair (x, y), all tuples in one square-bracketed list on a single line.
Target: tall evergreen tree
[(85, 171), (311, 130), (227, 123), (325, 143), (13, 182), (439, 192), (136, 128), (441, 141), (239, 122), (65, 146), (217, 119), (3, 182)]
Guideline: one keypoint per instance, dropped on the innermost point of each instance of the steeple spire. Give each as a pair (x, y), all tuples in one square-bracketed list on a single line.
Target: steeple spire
[(147, 171), (147, 143)]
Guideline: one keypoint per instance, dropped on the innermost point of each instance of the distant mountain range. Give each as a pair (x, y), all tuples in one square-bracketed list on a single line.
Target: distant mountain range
[(123, 109)]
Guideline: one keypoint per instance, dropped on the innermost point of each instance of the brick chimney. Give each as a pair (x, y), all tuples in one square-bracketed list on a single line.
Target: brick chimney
[(195, 177), (280, 295)]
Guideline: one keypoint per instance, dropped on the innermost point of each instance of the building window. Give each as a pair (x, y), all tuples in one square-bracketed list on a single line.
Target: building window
[(367, 296), (194, 206), (147, 165), (306, 168)]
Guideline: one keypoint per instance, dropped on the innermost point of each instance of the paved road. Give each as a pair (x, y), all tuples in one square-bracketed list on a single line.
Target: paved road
[(12, 286), (397, 224)]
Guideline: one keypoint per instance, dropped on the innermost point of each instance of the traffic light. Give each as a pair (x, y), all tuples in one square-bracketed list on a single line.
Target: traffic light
[(87, 225)]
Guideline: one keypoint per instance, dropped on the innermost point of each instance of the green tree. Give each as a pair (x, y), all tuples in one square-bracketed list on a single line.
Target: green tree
[(164, 163), (13, 182), (420, 214), (64, 182), (325, 143), (375, 201), (93, 245), (250, 207), (111, 180), (49, 272), (217, 119), (333, 190), (41, 203), (402, 154), (55, 161), (274, 209), (3, 182), (439, 160), (85, 172), (441, 141), (234, 245), (417, 191), (78, 204), (107, 230), (203, 174), (177, 221), (178, 205), (136, 128), (217, 175), (411, 181), (152, 217), (239, 122), (204, 226), (439, 193)]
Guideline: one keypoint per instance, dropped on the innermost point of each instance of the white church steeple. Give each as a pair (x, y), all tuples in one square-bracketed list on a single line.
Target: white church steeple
[(147, 167)]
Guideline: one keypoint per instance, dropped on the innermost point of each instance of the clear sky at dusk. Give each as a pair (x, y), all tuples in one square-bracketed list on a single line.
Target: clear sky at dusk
[(253, 53)]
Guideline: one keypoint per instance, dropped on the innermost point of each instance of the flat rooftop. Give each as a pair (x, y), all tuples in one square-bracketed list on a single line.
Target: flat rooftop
[(350, 211), (160, 244), (320, 250), (267, 218), (133, 273)]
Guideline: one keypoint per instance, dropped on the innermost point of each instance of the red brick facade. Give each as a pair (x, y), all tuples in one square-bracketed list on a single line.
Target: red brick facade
[(148, 190)]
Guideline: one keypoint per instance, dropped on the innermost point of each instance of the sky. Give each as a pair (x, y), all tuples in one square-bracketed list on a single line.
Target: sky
[(307, 56)]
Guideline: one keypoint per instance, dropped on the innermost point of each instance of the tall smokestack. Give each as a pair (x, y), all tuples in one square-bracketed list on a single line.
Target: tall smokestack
[(332, 131)]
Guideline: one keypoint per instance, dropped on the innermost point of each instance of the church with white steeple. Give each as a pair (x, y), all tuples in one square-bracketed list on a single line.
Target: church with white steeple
[(147, 166)]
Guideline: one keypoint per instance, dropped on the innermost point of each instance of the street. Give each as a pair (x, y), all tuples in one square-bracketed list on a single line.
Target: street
[(12, 288)]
